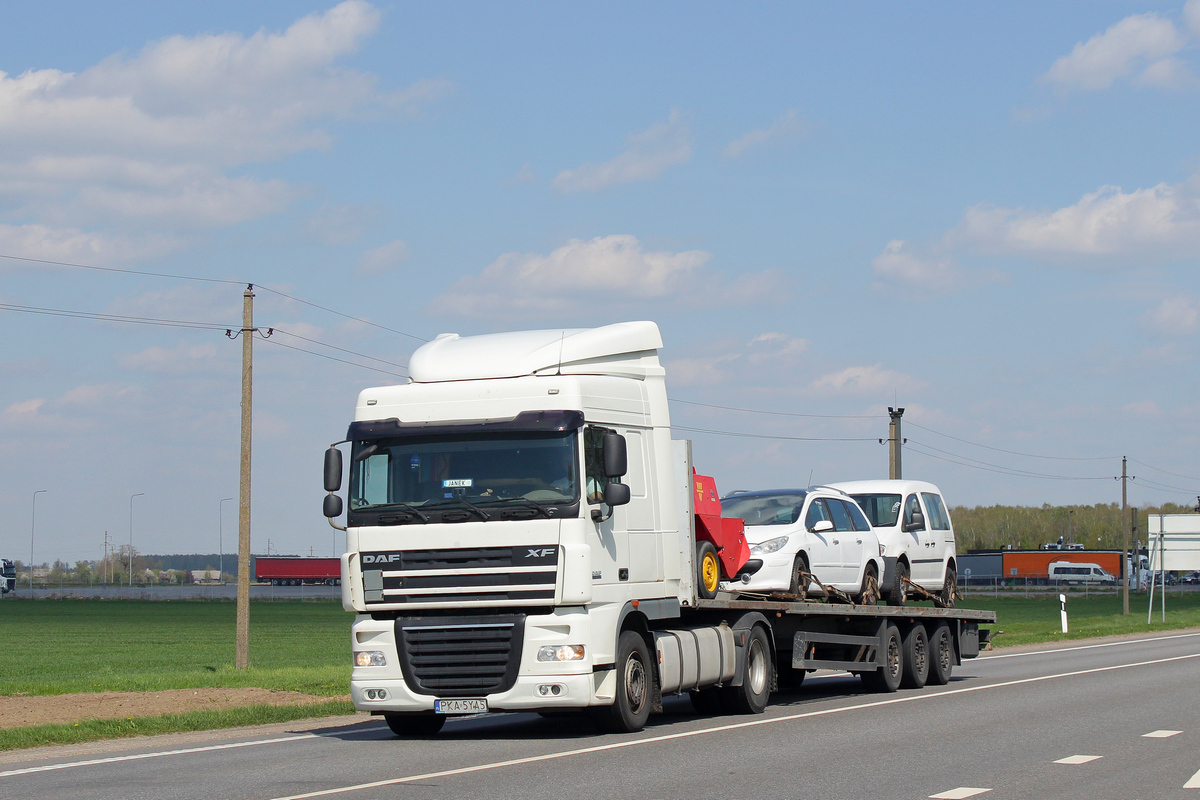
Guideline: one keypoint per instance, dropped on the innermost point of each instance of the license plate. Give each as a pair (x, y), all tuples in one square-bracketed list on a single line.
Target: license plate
[(466, 705)]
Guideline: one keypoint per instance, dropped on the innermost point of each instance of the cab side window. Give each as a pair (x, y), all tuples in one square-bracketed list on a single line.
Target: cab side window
[(911, 505), (816, 513), (593, 463)]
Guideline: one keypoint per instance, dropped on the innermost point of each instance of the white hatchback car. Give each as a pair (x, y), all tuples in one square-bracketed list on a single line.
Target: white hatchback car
[(799, 535), (914, 528)]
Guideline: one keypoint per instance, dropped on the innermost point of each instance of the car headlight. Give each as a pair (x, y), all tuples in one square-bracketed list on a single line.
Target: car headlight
[(566, 652), (769, 546), (369, 658)]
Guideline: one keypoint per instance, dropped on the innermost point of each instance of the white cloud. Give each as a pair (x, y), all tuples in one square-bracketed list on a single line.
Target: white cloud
[(1137, 43), (742, 363), (650, 152), (789, 126), (148, 140), (382, 259), (616, 268), (1174, 316), (1142, 408), (72, 244), (183, 359), (865, 380), (898, 263), (1109, 221)]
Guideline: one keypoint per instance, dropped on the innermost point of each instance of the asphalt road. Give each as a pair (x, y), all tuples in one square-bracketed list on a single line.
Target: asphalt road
[(1102, 720)]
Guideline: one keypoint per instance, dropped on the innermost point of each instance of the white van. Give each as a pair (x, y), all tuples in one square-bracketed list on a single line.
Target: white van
[(914, 527), (1071, 572)]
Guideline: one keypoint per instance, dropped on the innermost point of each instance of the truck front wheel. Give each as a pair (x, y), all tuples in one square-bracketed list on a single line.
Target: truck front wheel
[(635, 684), (415, 724)]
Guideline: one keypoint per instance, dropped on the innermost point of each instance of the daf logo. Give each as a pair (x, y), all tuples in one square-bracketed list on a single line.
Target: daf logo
[(540, 552), (380, 558)]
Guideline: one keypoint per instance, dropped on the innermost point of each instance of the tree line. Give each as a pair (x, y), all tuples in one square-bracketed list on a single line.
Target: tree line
[(1096, 527)]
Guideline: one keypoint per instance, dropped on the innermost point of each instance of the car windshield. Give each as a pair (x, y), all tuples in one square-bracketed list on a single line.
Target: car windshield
[(417, 473), (881, 509), (777, 508)]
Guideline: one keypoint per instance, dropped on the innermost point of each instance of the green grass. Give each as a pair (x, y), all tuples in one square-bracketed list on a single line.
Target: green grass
[(62, 647), (94, 729), (1028, 620)]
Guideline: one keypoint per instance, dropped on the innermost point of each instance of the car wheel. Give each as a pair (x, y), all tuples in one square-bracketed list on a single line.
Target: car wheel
[(869, 594), (950, 586), (708, 570), (801, 577), (898, 591)]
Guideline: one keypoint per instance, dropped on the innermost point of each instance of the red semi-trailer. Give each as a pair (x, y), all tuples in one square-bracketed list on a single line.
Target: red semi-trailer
[(297, 570)]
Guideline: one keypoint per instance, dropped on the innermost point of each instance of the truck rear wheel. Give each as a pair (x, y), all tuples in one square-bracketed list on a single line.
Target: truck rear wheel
[(941, 656), (415, 724), (916, 658), (886, 679), (635, 688), (751, 697), (708, 570)]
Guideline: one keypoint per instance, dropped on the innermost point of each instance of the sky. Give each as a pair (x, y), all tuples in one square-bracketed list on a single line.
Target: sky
[(987, 214)]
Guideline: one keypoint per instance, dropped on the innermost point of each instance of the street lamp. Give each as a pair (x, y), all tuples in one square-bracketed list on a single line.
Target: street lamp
[(32, 528), (221, 538), (139, 494)]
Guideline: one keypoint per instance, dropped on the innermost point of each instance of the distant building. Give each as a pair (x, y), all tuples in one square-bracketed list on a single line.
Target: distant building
[(205, 575)]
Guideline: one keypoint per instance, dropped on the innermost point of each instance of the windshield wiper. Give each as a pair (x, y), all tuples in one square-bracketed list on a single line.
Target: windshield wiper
[(463, 502), (405, 507), (524, 503)]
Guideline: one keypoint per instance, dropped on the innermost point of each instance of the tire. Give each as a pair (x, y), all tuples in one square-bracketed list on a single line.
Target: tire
[(751, 697), (949, 586), (410, 725), (708, 570), (916, 658), (886, 679), (706, 701), (635, 688), (898, 592), (941, 656), (786, 678), (868, 595), (801, 577)]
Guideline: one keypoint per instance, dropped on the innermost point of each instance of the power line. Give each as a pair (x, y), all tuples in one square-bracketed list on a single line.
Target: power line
[(62, 312), (1010, 452), (332, 358), (340, 349), (1168, 472), (340, 314), (769, 436), (998, 469), (776, 413), (1165, 487)]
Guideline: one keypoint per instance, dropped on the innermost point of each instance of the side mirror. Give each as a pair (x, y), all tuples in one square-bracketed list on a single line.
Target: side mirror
[(616, 494), (333, 472), (822, 526), (917, 523), (332, 507), (616, 460)]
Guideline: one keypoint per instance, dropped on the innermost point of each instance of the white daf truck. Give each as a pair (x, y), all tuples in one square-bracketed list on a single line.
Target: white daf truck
[(522, 536)]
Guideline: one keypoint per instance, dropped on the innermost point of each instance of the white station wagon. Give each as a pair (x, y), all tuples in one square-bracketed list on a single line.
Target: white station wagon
[(798, 535), (914, 528)]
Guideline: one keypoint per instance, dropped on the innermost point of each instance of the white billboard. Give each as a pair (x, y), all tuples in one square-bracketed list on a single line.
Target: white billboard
[(1180, 541)]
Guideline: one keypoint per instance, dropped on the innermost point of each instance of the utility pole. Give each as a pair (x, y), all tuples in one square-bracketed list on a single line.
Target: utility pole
[(894, 442), (1124, 537), (242, 657)]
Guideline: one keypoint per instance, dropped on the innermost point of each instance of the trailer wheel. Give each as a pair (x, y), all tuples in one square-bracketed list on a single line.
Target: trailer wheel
[(916, 658), (886, 679), (801, 577), (708, 570), (950, 586), (635, 688), (415, 724), (941, 656), (898, 591), (787, 678), (751, 697)]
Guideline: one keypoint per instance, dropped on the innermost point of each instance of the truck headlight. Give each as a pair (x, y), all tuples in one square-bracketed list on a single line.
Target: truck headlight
[(369, 658), (769, 546), (564, 652)]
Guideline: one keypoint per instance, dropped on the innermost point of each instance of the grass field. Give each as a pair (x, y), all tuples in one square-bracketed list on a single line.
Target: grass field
[(61, 647)]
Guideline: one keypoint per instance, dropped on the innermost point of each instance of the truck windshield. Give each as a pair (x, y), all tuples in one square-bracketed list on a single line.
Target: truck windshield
[(881, 509), (761, 508), (455, 477)]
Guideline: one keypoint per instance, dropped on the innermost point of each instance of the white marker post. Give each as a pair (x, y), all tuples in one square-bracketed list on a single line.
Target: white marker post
[(1062, 605)]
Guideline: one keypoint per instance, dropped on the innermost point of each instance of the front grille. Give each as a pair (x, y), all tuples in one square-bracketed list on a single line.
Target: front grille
[(461, 575), (460, 656)]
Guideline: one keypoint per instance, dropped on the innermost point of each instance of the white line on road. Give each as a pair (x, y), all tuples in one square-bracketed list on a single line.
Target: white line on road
[(958, 794), (719, 729), (1193, 782), (1077, 759), (136, 757), (1159, 734), (1088, 646)]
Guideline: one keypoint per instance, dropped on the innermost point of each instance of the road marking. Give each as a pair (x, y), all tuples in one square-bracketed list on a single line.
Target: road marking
[(958, 794), (1077, 759), (718, 729), (1159, 734), (138, 756), (1089, 646), (1193, 782)]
